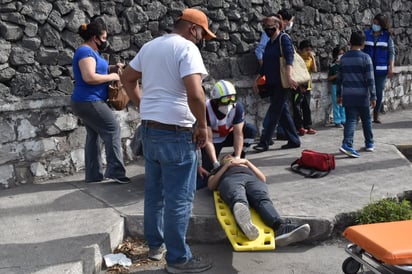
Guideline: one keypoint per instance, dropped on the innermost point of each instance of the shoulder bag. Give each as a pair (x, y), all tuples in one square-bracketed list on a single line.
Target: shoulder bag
[(313, 164), (118, 98), (300, 72)]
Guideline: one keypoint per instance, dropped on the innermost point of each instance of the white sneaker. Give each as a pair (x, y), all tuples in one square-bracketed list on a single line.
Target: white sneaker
[(244, 220)]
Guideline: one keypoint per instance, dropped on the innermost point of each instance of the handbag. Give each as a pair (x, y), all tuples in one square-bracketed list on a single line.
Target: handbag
[(263, 89), (300, 72), (117, 96), (313, 164)]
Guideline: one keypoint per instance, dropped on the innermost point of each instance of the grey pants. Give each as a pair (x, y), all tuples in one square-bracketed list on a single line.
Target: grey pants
[(249, 190), (100, 125)]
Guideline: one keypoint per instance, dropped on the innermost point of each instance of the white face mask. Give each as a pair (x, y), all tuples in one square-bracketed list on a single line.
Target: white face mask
[(339, 56), (289, 27), (225, 109)]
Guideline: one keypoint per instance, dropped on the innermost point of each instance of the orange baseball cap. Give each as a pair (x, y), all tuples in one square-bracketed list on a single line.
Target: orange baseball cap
[(198, 17)]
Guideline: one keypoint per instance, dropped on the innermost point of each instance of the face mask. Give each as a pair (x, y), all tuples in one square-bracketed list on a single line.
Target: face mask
[(225, 109), (339, 56), (200, 44), (376, 28), (270, 32), (103, 45), (289, 27)]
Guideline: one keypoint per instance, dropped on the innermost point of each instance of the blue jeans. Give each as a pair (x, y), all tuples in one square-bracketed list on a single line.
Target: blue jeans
[(170, 183), (249, 190), (350, 125), (380, 85), (339, 116), (278, 113), (100, 124)]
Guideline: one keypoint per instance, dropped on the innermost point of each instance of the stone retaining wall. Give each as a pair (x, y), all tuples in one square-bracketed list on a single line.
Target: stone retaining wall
[(41, 138)]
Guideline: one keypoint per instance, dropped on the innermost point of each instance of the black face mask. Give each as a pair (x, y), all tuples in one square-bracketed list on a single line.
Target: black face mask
[(200, 44), (270, 31), (103, 45)]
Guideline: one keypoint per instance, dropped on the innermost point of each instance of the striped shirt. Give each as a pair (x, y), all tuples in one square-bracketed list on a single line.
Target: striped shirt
[(355, 81)]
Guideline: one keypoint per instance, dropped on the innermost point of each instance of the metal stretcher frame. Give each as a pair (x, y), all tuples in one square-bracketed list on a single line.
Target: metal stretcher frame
[(382, 248)]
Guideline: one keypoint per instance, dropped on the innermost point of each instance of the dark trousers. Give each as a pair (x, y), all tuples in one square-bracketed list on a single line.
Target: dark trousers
[(302, 115), (249, 190), (278, 113)]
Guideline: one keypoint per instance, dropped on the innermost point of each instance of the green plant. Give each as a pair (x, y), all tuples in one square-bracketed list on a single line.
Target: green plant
[(385, 210)]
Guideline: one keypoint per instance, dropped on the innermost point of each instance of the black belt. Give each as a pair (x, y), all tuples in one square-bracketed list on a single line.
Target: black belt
[(158, 125)]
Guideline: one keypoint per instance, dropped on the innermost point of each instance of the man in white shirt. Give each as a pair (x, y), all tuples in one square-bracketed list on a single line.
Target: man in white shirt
[(171, 102)]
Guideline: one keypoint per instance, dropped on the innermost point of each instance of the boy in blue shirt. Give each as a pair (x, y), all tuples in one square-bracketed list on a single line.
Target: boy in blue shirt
[(356, 92)]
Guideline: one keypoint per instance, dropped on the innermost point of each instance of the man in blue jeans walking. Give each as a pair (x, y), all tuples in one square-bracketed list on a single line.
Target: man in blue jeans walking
[(356, 91)]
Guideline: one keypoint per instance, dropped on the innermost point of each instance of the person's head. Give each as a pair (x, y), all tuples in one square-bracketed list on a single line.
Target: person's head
[(305, 48), (224, 95), (287, 19), (272, 25), (193, 25), (357, 39), (337, 53), (95, 32), (380, 23)]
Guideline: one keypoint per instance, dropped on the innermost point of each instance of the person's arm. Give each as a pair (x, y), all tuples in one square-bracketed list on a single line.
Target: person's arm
[(210, 148), (238, 139), (391, 46), (197, 103), (370, 80), (314, 66), (88, 70), (130, 82), (260, 48), (288, 51), (339, 85)]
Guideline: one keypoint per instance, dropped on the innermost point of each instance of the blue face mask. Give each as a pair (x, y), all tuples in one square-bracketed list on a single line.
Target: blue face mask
[(376, 28)]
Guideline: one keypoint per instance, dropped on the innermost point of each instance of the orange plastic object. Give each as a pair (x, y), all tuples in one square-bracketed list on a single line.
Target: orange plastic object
[(389, 242), (266, 239)]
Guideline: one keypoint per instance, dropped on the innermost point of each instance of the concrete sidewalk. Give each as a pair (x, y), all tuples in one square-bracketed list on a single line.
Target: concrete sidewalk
[(66, 226)]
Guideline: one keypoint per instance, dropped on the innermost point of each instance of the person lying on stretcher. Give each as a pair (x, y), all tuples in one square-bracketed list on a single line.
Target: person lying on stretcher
[(242, 185)]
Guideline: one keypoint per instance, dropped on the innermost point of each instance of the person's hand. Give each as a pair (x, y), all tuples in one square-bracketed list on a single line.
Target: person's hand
[(200, 137), (390, 72), (202, 172), (339, 101), (114, 76), (373, 103), (292, 83)]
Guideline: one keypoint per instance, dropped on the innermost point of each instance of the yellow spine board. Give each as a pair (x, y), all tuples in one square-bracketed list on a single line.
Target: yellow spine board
[(266, 239)]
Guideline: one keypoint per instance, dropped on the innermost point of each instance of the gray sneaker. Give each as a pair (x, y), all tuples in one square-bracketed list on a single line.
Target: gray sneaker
[(156, 254), (289, 233), (244, 220), (194, 265)]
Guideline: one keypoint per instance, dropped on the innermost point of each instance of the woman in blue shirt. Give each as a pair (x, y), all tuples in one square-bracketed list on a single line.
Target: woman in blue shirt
[(92, 75)]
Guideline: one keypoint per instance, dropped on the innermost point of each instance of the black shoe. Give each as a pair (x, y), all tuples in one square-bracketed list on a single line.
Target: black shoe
[(122, 180), (290, 145), (289, 233), (260, 147), (271, 143)]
